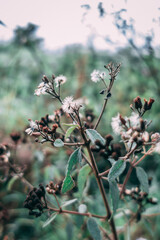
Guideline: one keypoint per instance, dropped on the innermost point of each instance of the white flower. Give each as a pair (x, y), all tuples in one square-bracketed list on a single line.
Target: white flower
[(70, 105), (51, 118), (33, 126), (96, 76), (145, 136), (134, 119), (157, 148), (116, 124), (60, 80), (155, 137), (102, 75), (42, 87)]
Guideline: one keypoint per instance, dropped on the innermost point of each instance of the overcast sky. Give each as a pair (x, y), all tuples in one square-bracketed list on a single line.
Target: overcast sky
[(60, 21)]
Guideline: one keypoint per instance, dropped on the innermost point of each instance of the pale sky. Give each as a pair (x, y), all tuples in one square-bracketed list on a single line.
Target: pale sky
[(60, 21)]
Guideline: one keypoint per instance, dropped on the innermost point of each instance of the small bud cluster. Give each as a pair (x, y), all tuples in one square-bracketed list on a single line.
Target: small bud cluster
[(89, 118), (52, 188), (137, 133), (142, 108), (35, 200), (108, 149), (141, 199), (113, 70), (43, 129), (131, 129)]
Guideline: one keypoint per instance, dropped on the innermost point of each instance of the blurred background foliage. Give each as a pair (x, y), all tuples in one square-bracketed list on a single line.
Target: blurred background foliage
[(23, 62)]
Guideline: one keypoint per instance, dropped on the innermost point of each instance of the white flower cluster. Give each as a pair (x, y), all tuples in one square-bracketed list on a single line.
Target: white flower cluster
[(32, 128), (134, 119), (42, 89), (60, 80), (116, 124), (96, 76), (70, 105)]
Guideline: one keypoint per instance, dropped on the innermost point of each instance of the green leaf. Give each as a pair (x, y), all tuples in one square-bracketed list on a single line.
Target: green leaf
[(116, 170), (80, 156), (11, 182), (74, 158), (114, 191), (94, 135), (58, 143), (68, 184), (69, 131), (50, 219), (94, 229), (69, 202), (82, 178), (143, 179), (70, 124)]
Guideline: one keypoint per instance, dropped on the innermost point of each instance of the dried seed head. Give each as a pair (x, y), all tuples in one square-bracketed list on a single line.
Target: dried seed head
[(137, 103), (150, 102)]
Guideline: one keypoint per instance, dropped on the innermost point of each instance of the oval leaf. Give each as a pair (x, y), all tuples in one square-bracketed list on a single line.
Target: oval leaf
[(69, 131), (94, 229), (143, 179), (58, 143), (82, 178), (114, 191), (50, 219), (94, 135), (68, 184), (74, 158), (116, 170)]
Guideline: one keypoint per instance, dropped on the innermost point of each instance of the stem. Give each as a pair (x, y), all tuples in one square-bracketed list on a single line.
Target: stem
[(147, 153), (126, 179), (76, 213), (100, 116), (73, 144), (104, 173), (100, 184), (133, 164), (57, 201)]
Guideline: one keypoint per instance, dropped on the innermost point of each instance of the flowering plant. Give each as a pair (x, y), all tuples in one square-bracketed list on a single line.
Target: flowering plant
[(87, 149)]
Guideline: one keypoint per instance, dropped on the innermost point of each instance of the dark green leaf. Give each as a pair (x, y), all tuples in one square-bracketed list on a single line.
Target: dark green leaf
[(143, 179), (114, 191), (94, 135), (73, 160), (116, 170), (68, 184), (80, 156), (94, 229), (82, 177), (58, 143)]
